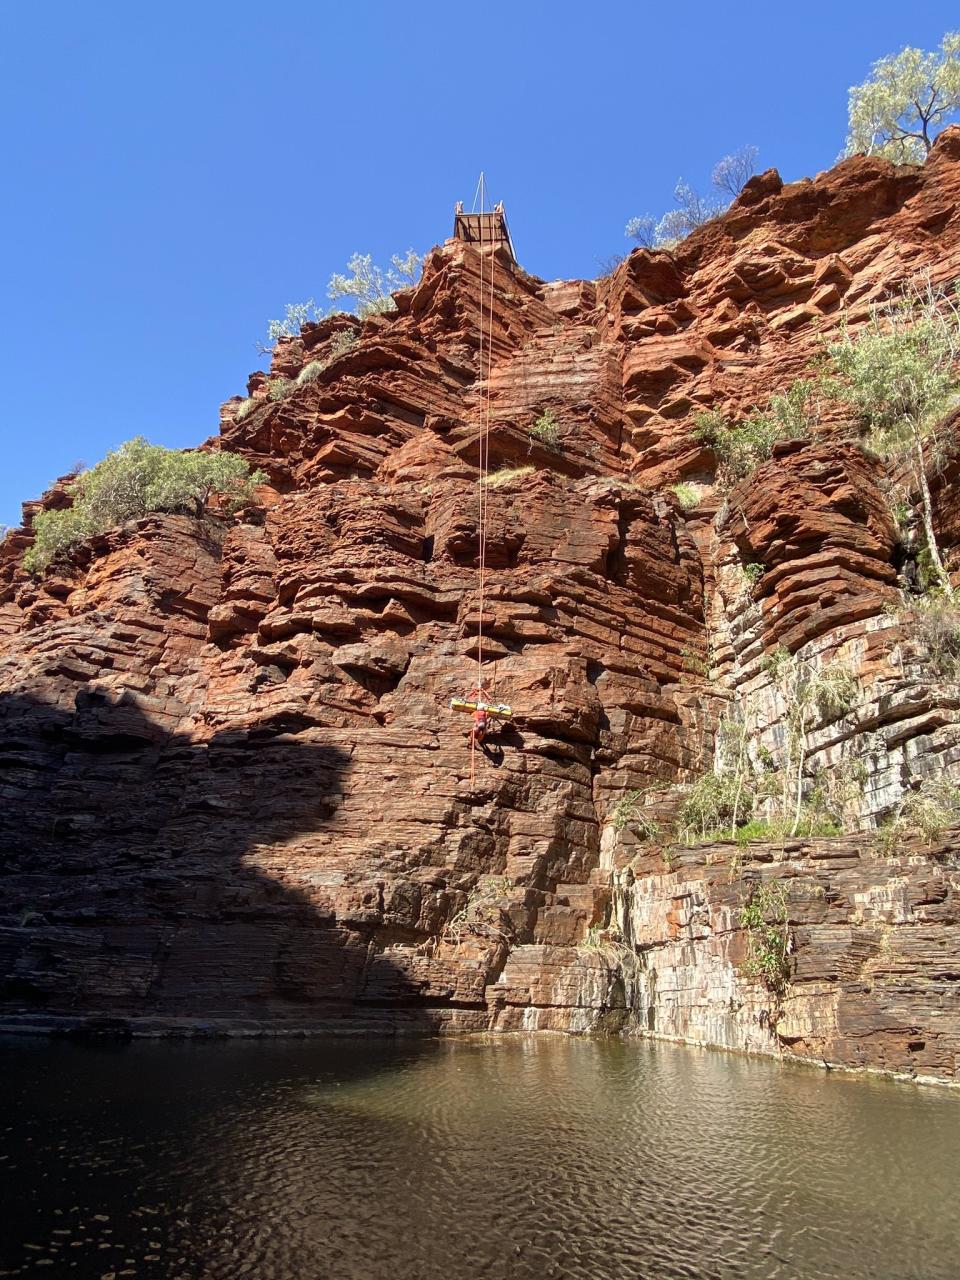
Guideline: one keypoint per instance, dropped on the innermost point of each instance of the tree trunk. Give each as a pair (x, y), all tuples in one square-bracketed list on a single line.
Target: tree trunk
[(927, 503), (799, 804), (740, 773)]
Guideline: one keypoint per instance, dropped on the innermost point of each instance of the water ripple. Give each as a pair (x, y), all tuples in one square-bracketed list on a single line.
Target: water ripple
[(510, 1159)]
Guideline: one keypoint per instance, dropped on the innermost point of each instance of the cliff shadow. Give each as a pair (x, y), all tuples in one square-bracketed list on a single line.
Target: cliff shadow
[(142, 877)]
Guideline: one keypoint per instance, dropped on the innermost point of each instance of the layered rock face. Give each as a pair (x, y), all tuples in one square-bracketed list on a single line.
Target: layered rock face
[(235, 797), (874, 943)]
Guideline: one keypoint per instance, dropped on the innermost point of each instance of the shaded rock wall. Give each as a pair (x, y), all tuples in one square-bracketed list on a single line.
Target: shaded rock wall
[(234, 795)]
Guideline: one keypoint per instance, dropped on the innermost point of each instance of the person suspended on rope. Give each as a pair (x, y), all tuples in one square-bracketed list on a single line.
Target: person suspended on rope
[(478, 730), (483, 710)]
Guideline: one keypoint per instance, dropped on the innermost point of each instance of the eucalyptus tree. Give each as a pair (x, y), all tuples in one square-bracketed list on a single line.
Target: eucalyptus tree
[(906, 99)]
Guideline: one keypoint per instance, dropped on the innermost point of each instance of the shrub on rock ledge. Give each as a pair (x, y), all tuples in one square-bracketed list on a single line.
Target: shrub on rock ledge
[(900, 373), (740, 449), (370, 287), (546, 430), (134, 479)]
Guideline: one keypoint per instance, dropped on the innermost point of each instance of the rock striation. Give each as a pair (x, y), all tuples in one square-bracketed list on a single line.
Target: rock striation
[(234, 796)]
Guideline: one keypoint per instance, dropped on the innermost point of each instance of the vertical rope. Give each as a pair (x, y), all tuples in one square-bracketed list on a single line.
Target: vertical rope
[(482, 440), (481, 494)]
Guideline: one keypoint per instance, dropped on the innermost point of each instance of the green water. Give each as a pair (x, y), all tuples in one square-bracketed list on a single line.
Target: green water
[(547, 1157)]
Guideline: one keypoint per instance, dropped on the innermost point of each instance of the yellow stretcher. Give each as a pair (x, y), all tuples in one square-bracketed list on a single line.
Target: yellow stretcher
[(498, 709)]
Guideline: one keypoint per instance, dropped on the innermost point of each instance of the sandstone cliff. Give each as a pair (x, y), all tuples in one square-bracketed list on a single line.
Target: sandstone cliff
[(234, 796)]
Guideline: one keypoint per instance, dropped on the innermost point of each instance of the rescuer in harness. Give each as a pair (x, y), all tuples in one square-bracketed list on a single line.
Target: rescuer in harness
[(478, 730)]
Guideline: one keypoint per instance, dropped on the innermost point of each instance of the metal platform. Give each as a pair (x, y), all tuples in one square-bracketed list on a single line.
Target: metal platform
[(488, 231)]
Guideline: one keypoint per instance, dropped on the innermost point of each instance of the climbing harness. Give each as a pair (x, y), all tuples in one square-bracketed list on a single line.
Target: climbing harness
[(477, 701)]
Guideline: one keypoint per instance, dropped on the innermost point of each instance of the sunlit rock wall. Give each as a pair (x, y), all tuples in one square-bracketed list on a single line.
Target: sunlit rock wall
[(235, 798)]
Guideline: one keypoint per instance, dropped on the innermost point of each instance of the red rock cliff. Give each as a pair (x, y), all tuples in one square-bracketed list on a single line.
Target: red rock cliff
[(234, 795)]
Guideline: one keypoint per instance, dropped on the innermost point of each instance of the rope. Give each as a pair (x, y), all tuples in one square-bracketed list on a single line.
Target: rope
[(481, 471), (482, 441), (485, 452), (483, 419)]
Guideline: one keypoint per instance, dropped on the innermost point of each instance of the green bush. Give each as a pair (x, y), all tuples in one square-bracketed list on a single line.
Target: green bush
[(746, 779), (370, 287), (923, 814), (134, 479), (739, 450), (898, 373), (696, 662), (338, 345), (708, 807), (628, 811), (813, 697), (936, 621), (295, 316), (310, 372), (764, 918), (811, 824), (686, 495), (546, 430)]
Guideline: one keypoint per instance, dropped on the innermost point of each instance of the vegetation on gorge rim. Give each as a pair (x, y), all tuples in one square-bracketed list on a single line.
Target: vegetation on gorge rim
[(908, 96), (895, 113), (368, 287), (133, 480), (923, 814), (730, 175)]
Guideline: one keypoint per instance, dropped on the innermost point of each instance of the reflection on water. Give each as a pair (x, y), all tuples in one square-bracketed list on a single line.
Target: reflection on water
[(515, 1158)]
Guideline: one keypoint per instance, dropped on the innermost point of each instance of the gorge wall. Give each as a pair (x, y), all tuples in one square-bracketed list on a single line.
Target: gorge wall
[(234, 796)]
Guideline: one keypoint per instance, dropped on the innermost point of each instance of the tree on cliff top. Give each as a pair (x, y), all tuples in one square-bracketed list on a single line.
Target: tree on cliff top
[(296, 314), (733, 172), (370, 286), (897, 112), (692, 210), (134, 479)]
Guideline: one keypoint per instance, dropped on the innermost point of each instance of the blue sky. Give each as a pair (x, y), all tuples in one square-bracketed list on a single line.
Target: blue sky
[(174, 174)]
